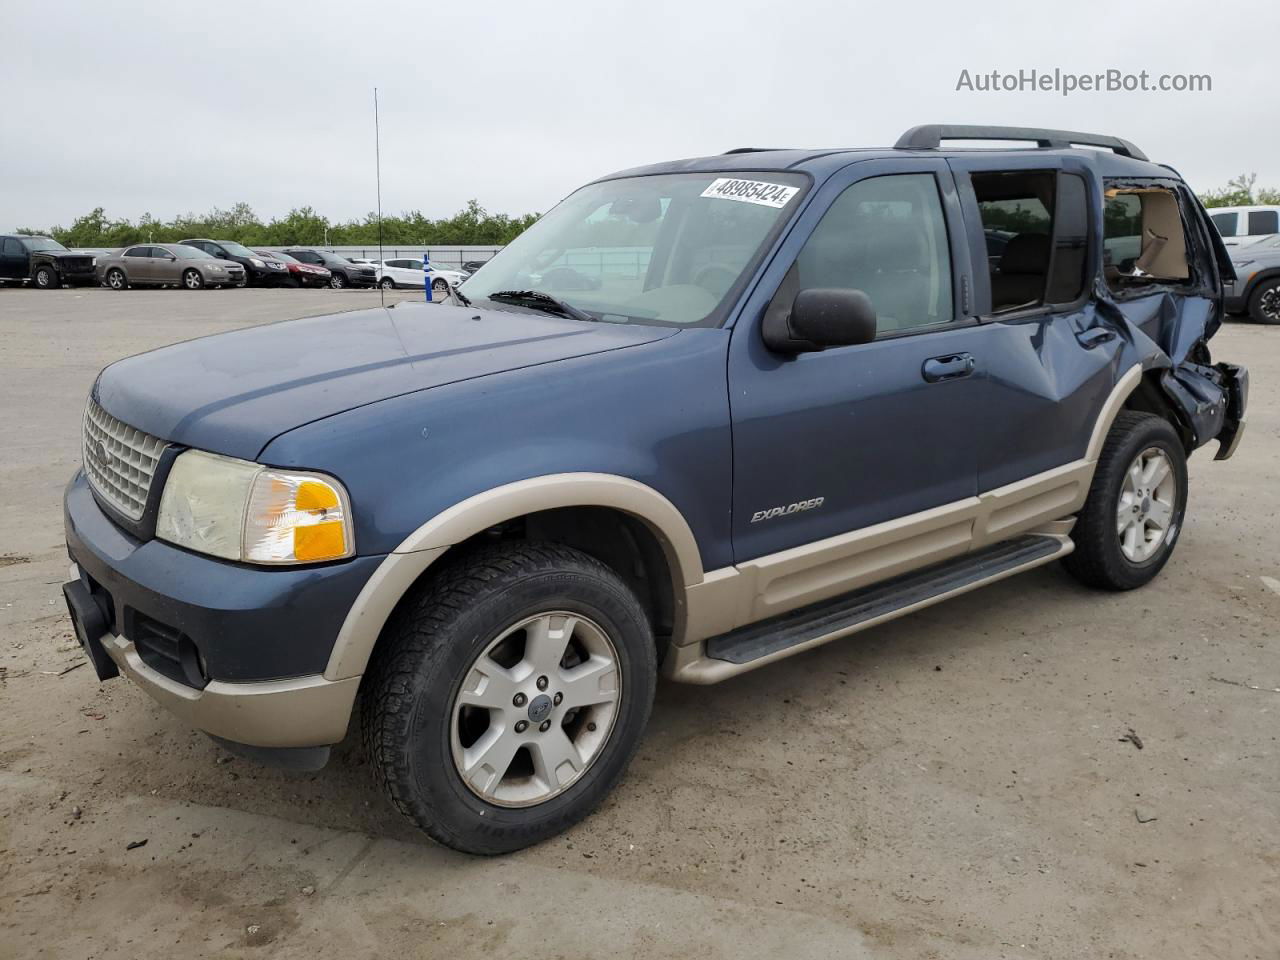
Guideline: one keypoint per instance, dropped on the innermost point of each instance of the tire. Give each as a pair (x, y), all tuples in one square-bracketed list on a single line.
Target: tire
[(1123, 539), (1264, 302), (46, 278), (290, 282), (439, 285), (413, 724), (192, 280), (387, 283), (116, 279), (337, 280)]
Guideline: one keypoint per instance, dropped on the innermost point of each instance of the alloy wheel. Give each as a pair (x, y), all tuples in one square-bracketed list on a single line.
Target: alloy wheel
[(1147, 504), (535, 709), (1270, 305)]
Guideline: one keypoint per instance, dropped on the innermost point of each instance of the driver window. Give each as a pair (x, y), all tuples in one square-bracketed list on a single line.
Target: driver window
[(887, 237)]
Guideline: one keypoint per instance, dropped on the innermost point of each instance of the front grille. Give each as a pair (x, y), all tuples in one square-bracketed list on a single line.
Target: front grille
[(77, 264), (119, 460)]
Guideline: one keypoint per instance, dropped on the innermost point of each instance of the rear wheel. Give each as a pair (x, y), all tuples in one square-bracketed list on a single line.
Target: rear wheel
[(508, 695), (46, 278), (1130, 523), (192, 280), (116, 279), (1264, 304)]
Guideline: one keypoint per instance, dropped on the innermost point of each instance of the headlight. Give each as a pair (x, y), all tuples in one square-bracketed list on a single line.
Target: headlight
[(243, 511), (215, 266), (256, 262), (93, 262)]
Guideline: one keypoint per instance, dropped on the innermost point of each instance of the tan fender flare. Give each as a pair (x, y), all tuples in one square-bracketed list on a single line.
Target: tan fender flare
[(401, 568)]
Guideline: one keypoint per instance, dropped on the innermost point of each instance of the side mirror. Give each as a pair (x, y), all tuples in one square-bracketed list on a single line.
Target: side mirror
[(821, 318), (170, 257)]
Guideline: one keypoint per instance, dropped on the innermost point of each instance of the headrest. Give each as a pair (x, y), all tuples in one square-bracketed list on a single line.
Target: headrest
[(1026, 253)]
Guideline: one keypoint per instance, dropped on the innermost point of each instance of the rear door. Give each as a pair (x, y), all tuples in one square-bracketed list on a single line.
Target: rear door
[(835, 441), (13, 259), (1050, 366)]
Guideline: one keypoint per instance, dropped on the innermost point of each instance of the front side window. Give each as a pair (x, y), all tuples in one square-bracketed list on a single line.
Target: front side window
[(11, 247), (664, 250), (887, 237), (1226, 223), (36, 244)]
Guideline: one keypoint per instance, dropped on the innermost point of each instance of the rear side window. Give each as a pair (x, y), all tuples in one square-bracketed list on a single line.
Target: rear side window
[(1143, 239), (1036, 224), (887, 237), (1263, 222), (1226, 223), (138, 252)]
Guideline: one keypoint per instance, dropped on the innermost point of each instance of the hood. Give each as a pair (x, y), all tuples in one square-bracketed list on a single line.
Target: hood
[(234, 392)]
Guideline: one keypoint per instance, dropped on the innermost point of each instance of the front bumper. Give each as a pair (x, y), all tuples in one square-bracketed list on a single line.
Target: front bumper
[(235, 650)]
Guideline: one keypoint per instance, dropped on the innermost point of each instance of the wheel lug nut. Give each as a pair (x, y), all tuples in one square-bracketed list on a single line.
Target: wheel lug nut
[(557, 698), (544, 726), (519, 700), (591, 726), (542, 683), (522, 726)]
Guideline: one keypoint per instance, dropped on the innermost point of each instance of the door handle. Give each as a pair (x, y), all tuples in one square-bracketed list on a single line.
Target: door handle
[(951, 367), (1094, 336)]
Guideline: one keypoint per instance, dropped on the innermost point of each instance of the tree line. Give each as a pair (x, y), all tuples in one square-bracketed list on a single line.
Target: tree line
[(471, 226)]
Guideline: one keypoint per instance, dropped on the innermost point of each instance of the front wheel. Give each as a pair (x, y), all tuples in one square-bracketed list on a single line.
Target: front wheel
[(439, 285), (1130, 523), (46, 278), (1264, 304), (387, 283), (337, 281), (192, 280), (116, 279), (508, 695)]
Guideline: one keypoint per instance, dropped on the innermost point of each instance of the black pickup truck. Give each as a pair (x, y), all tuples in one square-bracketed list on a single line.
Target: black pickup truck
[(45, 262)]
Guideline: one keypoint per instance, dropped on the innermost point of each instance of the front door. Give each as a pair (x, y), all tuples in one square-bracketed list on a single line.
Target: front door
[(13, 259), (850, 437)]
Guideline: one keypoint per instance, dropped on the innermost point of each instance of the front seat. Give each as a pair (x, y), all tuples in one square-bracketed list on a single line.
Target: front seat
[(1022, 273)]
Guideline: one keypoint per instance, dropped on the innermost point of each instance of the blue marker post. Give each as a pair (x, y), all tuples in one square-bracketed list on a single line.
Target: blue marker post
[(426, 274)]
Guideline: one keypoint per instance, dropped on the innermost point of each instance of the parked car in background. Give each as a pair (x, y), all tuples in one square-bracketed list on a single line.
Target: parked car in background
[(471, 266), (407, 272), (1256, 289), (258, 271), (165, 265), (44, 262), (300, 274), (342, 272), (1242, 226)]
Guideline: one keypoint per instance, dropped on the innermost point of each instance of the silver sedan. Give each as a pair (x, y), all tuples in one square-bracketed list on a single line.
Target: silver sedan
[(167, 265)]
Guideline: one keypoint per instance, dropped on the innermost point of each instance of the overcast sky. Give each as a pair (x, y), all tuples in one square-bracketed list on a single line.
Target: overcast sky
[(151, 107)]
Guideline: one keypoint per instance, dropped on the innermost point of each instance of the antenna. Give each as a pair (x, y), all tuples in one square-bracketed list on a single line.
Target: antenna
[(377, 162)]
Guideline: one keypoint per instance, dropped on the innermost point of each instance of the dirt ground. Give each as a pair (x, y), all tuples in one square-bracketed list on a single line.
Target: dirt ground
[(957, 784)]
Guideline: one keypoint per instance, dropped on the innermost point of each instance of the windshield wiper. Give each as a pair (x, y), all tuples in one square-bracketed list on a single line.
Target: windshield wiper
[(538, 300)]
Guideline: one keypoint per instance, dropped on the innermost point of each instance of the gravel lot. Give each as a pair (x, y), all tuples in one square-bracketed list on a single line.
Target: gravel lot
[(954, 785)]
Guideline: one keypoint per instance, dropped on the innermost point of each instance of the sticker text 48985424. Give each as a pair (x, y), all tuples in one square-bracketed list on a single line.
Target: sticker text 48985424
[(751, 191)]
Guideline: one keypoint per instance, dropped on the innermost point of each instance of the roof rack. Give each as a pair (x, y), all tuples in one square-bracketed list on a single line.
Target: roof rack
[(753, 150), (930, 135)]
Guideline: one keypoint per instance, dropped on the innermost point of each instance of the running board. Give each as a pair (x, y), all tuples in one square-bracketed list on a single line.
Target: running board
[(759, 643)]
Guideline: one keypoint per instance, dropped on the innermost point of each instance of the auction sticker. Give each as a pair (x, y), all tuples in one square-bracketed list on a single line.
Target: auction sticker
[(751, 191)]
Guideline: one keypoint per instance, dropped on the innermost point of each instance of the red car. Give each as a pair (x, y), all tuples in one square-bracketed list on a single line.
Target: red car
[(300, 274)]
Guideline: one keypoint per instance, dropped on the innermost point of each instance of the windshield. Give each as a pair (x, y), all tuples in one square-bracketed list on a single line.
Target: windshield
[(236, 249), (663, 250), (42, 243), (183, 252)]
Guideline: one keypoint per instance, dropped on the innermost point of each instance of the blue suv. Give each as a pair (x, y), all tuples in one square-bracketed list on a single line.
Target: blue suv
[(702, 416)]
